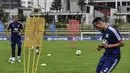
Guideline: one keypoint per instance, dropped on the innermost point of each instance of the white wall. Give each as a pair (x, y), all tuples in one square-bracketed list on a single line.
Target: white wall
[(42, 3), (26, 3)]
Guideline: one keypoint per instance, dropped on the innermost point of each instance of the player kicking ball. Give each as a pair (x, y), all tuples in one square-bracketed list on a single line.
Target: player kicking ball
[(16, 30), (112, 41)]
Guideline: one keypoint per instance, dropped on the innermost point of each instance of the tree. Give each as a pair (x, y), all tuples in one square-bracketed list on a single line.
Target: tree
[(81, 4), (106, 15), (3, 15), (56, 5), (20, 15)]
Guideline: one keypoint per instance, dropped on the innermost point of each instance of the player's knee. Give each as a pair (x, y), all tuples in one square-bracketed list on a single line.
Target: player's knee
[(101, 72), (19, 46)]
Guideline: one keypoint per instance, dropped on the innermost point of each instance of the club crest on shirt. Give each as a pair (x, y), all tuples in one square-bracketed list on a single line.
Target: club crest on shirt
[(107, 35), (18, 26)]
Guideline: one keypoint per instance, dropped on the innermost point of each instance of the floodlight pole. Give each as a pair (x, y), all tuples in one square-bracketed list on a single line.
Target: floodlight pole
[(9, 8), (120, 14), (45, 6), (116, 5), (45, 12), (38, 4)]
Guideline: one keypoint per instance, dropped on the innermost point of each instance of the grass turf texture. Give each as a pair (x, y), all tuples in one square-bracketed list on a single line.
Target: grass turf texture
[(64, 59)]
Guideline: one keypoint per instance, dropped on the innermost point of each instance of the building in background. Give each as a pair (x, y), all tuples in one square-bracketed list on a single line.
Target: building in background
[(27, 3), (121, 8), (97, 8), (70, 5), (10, 4)]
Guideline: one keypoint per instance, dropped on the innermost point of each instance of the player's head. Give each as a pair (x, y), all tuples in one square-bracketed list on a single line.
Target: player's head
[(99, 24), (16, 18)]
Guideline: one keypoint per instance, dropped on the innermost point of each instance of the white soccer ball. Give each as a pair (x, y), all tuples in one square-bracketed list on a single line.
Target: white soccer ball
[(10, 59), (78, 52)]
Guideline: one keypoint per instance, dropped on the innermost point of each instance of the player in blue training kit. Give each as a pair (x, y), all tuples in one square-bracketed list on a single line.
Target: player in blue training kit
[(112, 41), (16, 30)]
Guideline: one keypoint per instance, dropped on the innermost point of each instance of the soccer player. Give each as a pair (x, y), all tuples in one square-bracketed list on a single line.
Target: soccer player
[(16, 30), (112, 41)]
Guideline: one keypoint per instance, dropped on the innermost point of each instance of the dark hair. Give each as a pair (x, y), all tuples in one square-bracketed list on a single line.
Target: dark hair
[(98, 19), (15, 16)]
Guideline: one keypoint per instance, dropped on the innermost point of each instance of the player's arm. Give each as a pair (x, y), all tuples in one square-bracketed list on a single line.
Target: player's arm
[(21, 29), (8, 28), (120, 42)]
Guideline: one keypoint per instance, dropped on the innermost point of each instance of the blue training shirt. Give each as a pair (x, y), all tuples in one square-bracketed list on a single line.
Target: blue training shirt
[(111, 36), (15, 28)]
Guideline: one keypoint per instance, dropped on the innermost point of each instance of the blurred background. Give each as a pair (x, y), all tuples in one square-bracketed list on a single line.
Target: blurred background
[(114, 12)]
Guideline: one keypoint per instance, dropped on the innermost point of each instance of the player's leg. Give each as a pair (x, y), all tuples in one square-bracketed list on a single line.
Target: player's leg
[(13, 43), (37, 50), (109, 65), (100, 64), (19, 50)]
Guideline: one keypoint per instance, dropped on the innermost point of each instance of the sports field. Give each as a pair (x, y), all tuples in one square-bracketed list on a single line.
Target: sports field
[(64, 59)]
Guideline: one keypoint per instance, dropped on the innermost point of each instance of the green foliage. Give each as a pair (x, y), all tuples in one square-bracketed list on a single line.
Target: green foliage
[(3, 15), (81, 4), (60, 25), (56, 5), (116, 26), (6, 17), (21, 17), (105, 15), (120, 21), (48, 18)]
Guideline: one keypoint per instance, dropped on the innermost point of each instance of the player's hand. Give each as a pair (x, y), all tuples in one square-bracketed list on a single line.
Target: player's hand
[(7, 35), (19, 33), (100, 47)]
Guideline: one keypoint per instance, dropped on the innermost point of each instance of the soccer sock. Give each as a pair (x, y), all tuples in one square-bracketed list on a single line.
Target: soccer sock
[(37, 49), (18, 57)]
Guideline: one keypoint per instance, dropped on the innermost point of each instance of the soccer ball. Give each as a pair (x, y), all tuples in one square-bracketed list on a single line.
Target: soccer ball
[(10, 59), (78, 52)]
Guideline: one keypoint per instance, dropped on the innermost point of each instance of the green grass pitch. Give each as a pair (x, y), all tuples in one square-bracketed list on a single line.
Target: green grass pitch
[(64, 59)]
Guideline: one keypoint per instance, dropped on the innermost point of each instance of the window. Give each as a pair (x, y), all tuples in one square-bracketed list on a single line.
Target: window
[(123, 3), (128, 9), (29, 7), (128, 3), (29, 2), (87, 9)]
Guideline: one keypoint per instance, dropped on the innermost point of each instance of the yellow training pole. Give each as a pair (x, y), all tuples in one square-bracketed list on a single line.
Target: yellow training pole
[(34, 55), (38, 60), (24, 60), (29, 61)]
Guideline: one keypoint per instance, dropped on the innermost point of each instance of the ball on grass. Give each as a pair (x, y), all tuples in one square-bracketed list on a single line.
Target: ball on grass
[(78, 52)]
